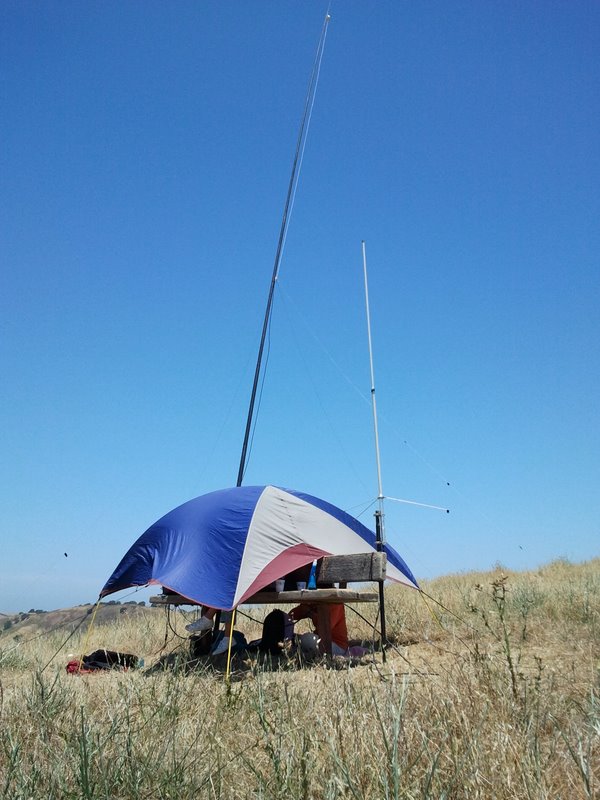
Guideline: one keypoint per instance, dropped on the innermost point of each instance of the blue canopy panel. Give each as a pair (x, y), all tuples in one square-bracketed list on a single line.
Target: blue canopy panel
[(221, 548)]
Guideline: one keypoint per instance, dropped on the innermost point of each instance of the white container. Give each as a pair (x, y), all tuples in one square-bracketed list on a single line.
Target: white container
[(280, 585), (301, 586)]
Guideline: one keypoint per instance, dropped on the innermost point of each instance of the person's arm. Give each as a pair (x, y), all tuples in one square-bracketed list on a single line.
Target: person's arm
[(303, 611)]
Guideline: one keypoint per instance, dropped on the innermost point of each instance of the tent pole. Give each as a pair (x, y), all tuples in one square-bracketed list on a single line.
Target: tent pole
[(228, 670)]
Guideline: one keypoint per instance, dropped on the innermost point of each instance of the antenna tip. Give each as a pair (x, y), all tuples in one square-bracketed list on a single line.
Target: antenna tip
[(328, 17)]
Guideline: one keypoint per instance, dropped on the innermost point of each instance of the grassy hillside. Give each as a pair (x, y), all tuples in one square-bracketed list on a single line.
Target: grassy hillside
[(27, 624), (493, 694)]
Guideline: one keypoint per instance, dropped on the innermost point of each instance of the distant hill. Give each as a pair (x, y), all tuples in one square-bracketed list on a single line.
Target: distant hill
[(35, 622)]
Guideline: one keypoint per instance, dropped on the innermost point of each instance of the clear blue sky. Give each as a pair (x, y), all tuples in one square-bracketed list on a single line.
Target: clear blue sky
[(146, 150)]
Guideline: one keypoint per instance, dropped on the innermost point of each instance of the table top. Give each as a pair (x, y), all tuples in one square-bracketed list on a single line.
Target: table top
[(312, 596)]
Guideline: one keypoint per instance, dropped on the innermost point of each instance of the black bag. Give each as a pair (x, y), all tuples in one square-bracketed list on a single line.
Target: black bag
[(200, 645), (109, 659), (277, 628)]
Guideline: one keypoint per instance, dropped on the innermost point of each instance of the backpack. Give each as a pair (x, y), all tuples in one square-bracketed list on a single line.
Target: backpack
[(277, 628), (102, 660)]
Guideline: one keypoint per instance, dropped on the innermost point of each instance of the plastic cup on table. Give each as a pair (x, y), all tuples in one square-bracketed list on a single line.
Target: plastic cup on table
[(280, 585), (301, 586)]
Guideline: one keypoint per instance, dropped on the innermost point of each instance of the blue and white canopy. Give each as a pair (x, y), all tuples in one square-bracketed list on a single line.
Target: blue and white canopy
[(221, 548)]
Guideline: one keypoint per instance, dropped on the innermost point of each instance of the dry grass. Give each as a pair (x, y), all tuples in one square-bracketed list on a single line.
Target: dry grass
[(494, 697)]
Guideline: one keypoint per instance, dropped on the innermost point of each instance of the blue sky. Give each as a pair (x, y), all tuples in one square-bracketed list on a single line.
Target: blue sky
[(146, 154)]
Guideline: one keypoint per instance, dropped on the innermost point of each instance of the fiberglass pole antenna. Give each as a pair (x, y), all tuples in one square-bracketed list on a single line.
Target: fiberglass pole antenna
[(379, 527), (301, 141)]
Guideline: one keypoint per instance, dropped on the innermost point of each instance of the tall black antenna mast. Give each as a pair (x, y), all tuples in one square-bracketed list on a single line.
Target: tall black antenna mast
[(300, 144)]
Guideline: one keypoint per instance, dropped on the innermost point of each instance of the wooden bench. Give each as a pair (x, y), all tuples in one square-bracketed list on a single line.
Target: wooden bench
[(357, 568)]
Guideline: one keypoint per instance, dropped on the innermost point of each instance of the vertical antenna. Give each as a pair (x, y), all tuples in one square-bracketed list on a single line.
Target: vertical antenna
[(379, 526), (373, 399)]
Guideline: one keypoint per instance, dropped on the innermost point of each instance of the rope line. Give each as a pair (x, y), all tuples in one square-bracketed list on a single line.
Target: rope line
[(88, 632), (81, 621), (361, 393), (389, 644), (260, 396), (21, 642), (449, 611), (301, 353), (58, 626)]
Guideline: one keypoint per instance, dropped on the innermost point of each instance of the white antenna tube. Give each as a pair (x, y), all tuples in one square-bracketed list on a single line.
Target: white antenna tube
[(379, 529), (380, 496)]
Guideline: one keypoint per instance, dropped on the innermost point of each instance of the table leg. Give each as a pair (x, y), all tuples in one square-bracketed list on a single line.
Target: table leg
[(324, 629)]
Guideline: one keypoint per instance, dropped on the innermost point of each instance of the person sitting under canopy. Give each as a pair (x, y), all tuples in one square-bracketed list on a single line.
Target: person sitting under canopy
[(205, 622), (337, 622)]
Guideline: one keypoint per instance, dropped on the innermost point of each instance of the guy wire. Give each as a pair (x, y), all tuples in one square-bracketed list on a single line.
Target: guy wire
[(89, 630)]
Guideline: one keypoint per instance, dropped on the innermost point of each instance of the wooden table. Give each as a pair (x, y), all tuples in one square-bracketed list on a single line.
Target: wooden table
[(321, 598)]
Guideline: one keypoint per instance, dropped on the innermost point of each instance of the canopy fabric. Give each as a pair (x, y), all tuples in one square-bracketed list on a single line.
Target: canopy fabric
[(221, 548)]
